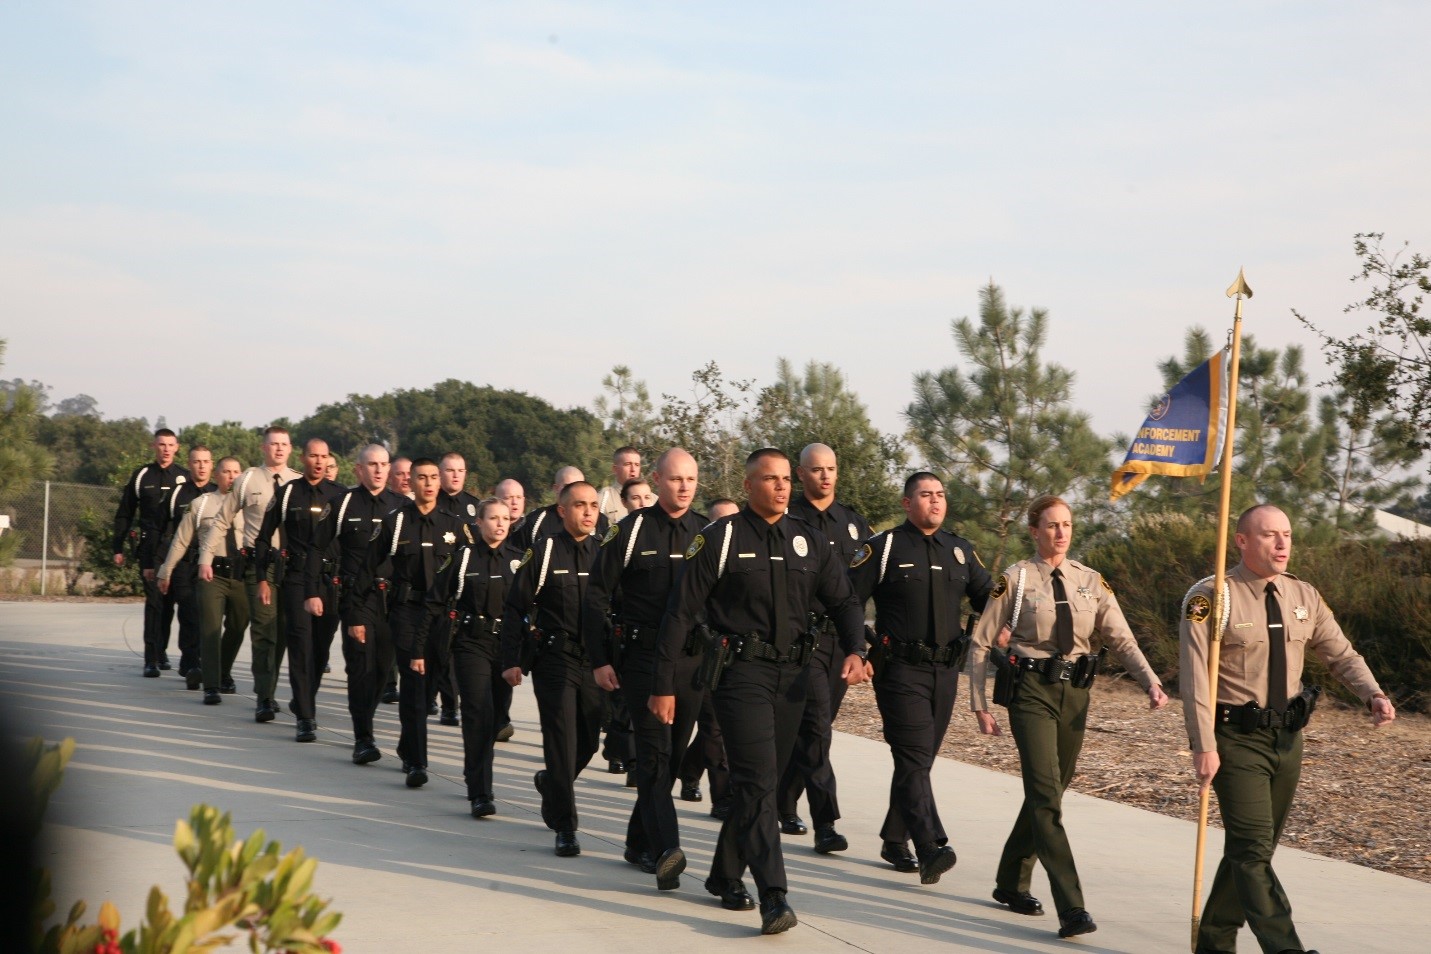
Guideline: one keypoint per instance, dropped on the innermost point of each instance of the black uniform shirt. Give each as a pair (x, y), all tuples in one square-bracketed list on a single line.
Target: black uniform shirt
[(461, 505), (357, 525), (638, 562), (553, 603), (841, 526), (543, 523), (423, 550), (302, 512), (898, 568), (739, 599), (488, 575), (147, 491)]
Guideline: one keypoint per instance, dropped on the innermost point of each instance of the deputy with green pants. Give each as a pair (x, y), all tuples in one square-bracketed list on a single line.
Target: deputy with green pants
[(1248, 742), (1038, 629)]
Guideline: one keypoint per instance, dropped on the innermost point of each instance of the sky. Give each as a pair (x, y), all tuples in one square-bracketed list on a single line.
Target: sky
[(242, 211)]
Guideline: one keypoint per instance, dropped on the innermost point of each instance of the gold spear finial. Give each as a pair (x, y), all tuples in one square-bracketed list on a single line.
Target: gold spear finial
[(1239, 288)]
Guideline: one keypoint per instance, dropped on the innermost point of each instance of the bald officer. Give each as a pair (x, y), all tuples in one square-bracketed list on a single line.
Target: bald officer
[(1248, 745)]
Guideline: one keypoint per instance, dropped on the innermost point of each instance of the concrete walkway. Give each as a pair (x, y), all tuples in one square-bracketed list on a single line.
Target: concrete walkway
[(412, 872)]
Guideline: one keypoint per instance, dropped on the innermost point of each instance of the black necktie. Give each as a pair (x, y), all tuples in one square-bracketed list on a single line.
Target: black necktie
[(492, 607), (1062, 615), (583, 563), (779, 600), (426, 544), (938, 595), (1276, 653)]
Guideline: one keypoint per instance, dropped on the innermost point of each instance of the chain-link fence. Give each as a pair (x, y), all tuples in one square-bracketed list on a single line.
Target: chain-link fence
[(45, 532)]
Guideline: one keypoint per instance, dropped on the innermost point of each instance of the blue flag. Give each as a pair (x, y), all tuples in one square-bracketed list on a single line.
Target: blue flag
[(1182, 435)]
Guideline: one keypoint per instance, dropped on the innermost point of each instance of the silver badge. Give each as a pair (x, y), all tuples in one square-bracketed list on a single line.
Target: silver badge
[(800, 547), (471, 510), (959, 555), (179, 479), (1300, 612), (1084, 592), (514, 564), (854, 532), (449, 537)]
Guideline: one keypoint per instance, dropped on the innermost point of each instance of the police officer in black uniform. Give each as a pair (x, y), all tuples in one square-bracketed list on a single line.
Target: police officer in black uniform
[(544, 606), (918, 575), (638, 563), (545, 521), (756, 575), (302, 517), (462, 505), (147, 491), (810, 770), (490, 566), (365, 573), (423, 546)]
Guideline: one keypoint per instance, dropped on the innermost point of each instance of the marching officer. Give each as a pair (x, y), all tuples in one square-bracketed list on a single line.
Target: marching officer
[(510, 492), (147, 492), (1248, 742), (636, 571), (1039, 625), (810, 770), (756, 576), (475, 647), (306, 569), (918, 575), (625, 466), (462, 505), (366, 575)]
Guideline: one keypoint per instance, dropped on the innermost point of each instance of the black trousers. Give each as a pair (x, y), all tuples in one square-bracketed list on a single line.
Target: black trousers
[(440, 684), (569, 702), (184, 588), (407, 621), (501, 698), (616, 720), (759, 705), (474, 662), (367, 665), (810, 770), (915, 702), (158, 621), (707, 753), (660, 748), (309, 639)]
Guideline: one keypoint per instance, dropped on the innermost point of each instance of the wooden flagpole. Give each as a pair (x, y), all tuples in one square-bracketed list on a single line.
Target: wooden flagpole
[(1238, 290)]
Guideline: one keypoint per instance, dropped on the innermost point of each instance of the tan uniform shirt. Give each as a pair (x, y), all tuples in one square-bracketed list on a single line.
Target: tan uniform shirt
[(194, 526), (1095, 610), (252, 495), (609, 500), (1307, 623)]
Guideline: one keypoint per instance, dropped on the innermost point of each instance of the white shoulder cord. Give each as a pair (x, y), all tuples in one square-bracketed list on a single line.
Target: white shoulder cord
[(631, 544), (884, 560), (725, 548), (462, 573), (397, 534), (546, 561), (1018, 599)]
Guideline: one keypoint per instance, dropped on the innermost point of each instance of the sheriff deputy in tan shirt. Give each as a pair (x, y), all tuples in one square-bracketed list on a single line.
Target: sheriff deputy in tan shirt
[(1249, 745)]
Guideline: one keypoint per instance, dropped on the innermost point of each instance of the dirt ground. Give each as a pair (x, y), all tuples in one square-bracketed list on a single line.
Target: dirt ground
[(1365, 795)]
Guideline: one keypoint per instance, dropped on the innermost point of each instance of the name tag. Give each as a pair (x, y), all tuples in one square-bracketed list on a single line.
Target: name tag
[(905, 566), (1241, 625), (559, 572), (649, 552), (426, 543), (933, 567), (746, 556)]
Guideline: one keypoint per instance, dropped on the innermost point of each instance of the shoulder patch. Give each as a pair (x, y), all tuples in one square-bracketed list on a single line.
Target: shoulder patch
[(695, 547), (861, 555), (1104, 581), (1000, 588), (611, 534), (526, 558), (1199, 608)]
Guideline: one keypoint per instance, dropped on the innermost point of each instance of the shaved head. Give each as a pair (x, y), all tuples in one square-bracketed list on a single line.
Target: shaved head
[(811, 451)]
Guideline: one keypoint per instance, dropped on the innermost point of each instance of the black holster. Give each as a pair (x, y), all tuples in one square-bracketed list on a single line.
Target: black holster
[(1087, 668), (719, 652), (1007, 676)]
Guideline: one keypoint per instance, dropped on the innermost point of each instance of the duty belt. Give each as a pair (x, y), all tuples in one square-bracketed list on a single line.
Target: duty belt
[(922, 653), (751, 646), (1250, 717), (223, 566), (562, 642), (1077, 671), (638, 635), (480, 625)]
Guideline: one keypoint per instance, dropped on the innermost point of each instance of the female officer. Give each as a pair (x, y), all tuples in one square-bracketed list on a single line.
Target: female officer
[(1039, 624)]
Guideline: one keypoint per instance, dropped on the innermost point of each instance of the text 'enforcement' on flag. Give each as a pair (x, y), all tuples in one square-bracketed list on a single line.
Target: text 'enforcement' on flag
[(1182, 434)]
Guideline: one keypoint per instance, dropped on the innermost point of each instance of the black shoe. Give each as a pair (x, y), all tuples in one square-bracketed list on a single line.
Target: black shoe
[(539, 781), (327, 668), (732, 893), (164, 663), (229, 687), (307, 731), (449, 717), (505, 732), (416, 776), (668, 869), (262, 713), (292, 707), (390, 694), (193, 678), (432, 709), (934, 860), (151, 671), (1019, 902), (615, 766), (720, 809), (212, 697), (630, 778), (828, 840), (776, 916), (272, 706), (897, 853), (641, 859), (566, 845), (365, 751), (1075, 922), (690, 793), (792, 825), (484, 806)]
